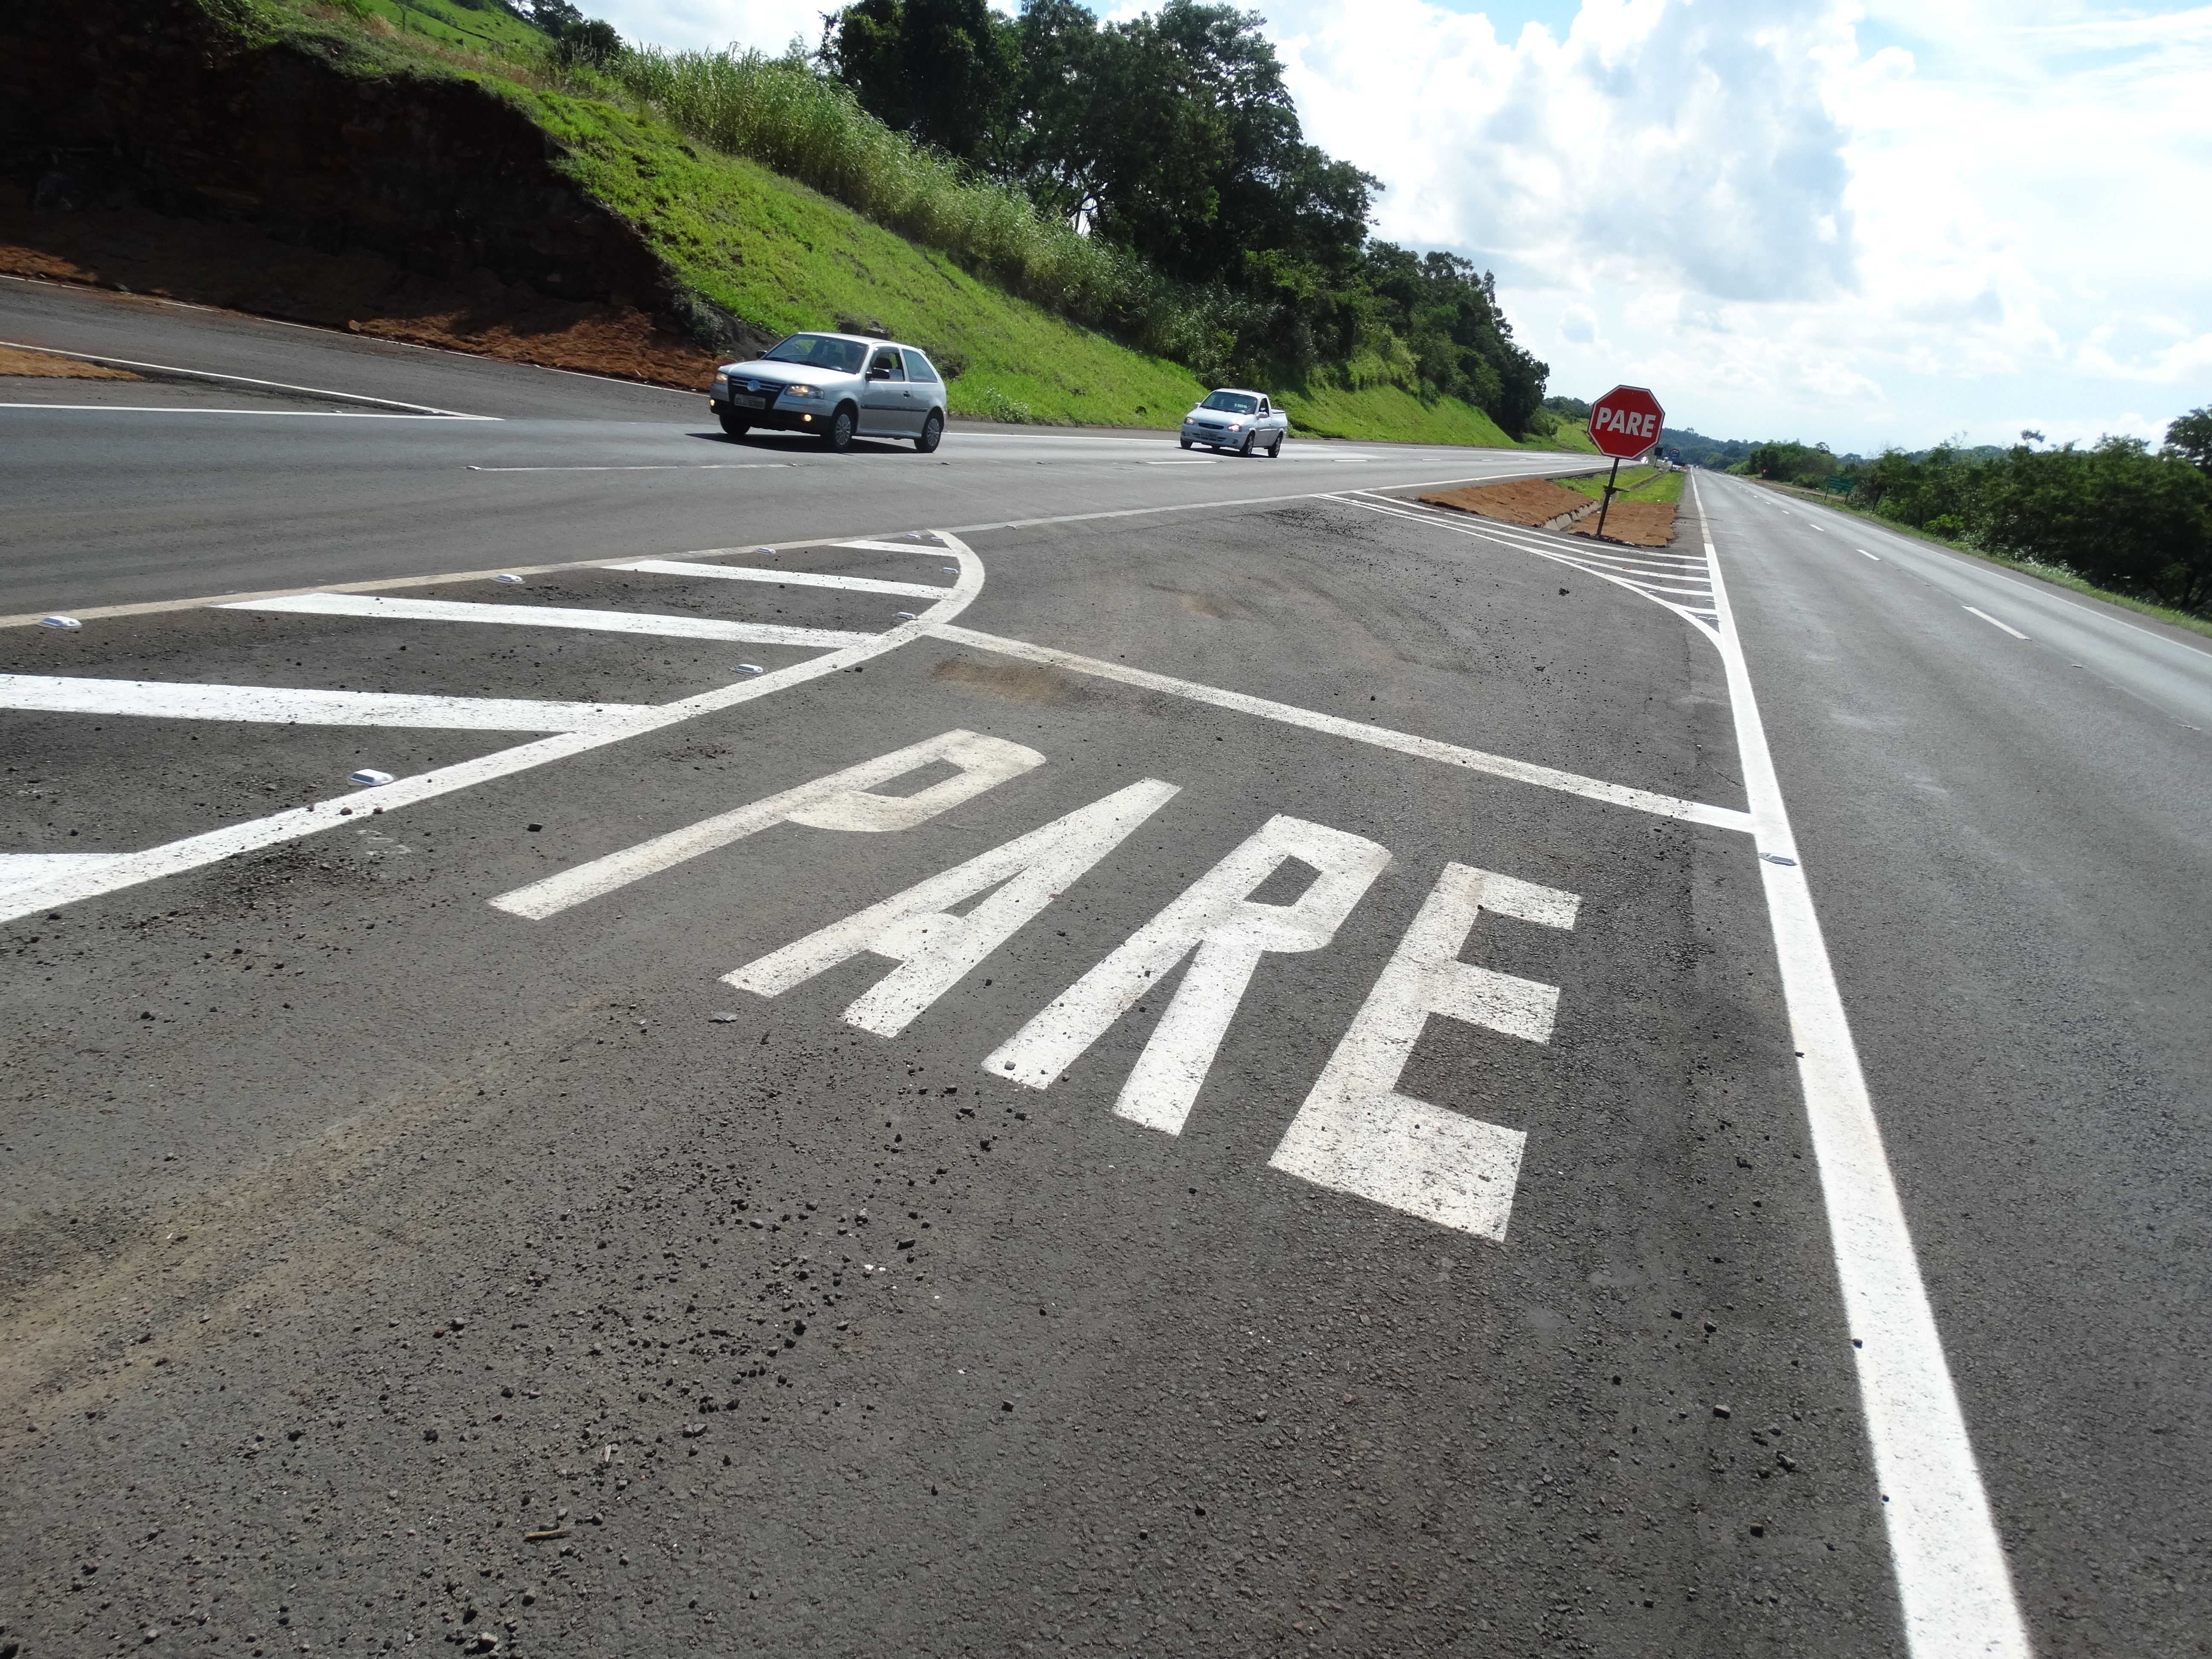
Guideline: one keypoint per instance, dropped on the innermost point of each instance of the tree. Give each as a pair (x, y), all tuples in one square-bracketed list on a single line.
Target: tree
[(2190, 439), (947, 71)]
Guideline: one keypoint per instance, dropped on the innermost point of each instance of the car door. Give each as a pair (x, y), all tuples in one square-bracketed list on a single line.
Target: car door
[(886, 410), (923, 388)]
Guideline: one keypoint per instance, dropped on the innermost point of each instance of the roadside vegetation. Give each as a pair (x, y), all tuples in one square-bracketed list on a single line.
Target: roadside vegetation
[(2118, 518), (1135, 217)]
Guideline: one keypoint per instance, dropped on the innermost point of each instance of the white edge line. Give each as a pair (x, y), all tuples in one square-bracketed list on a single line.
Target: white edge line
[(1474, 760), (193, 852), (1953, 1581), (248, 379)]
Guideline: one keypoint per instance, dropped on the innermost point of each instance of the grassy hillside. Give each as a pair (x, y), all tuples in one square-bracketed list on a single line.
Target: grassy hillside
[(775, 253), (778, 254)]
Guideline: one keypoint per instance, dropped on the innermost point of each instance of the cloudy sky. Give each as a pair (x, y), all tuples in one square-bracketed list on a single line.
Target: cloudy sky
[(1866, 222)]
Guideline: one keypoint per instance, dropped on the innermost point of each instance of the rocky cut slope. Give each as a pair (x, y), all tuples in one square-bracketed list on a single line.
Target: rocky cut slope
[(192, 148)]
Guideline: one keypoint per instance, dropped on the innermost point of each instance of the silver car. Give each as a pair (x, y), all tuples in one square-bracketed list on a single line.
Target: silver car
[(1235, 419), (836, 387)]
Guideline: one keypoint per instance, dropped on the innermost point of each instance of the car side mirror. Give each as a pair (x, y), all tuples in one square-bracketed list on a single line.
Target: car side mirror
[(879, 373)]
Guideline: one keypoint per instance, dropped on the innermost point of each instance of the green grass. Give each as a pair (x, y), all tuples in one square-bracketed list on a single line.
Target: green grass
[(493, 31), (2057, 576), (779, 254)]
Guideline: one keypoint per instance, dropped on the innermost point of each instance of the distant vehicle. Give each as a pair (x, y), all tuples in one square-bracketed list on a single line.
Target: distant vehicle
[(1238, 419), (836, 387)]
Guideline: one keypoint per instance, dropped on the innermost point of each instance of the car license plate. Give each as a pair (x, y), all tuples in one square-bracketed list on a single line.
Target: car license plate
[(740, 400)]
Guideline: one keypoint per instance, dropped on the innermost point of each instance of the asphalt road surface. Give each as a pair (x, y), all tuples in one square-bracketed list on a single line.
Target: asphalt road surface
[(1029, 1051)]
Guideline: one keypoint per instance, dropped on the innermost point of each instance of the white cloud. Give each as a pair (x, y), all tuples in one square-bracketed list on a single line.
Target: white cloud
[(1805, 219), (1862, 221)]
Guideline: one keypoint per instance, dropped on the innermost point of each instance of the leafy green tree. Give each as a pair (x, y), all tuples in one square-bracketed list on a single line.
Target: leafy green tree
[(2190, 439), (947, 71)]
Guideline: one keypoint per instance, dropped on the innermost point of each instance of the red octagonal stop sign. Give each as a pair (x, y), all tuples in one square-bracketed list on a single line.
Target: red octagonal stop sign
[(1626, 422)]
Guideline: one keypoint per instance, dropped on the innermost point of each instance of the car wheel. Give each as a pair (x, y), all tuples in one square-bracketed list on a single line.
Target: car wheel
[(1276, 447), (839, 437), (732, 426), (1245, 448), (1186, 443), (931, 430)]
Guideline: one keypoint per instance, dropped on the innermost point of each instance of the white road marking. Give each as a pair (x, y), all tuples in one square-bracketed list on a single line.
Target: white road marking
[(246, 380), (281, 414), (548, 615), (840, 801), (1215, 918), (287, 705), (1544, 545), (934, 949), (1876, 557), (30, 870), (1355, 1133), (1952, 1579), (1613, 795), (738, 573), (1993, 623), (194, 852), (1194, 460), (662, 466)]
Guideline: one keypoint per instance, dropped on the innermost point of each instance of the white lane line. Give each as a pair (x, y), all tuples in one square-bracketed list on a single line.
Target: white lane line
[(550, 616), (280, 414), (1950, 1573), (662, 466), (285, 705), (130, 869), (1195, 460), (741, 573), (844, 800), (1993, 623), (248, 379), (1876, 557), (1474, 760)]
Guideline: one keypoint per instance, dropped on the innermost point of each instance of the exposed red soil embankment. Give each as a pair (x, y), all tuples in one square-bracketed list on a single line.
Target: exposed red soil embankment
[(143, 149), (1519, 501)]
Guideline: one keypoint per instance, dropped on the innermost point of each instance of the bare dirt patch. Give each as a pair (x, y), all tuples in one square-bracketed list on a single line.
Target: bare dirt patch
[(42, 366), (1520, 500), (1639, 524), (1009, 682)]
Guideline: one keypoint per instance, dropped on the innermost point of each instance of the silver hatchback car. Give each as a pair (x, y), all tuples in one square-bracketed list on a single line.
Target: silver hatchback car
[(836, 387), (1235, 419)]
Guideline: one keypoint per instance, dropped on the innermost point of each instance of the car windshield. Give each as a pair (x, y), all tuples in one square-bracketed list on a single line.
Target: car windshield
[(1231, 402), (820, 351)]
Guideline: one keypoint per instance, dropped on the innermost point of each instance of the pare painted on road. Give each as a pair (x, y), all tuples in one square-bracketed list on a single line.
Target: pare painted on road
[(1354, 1132)]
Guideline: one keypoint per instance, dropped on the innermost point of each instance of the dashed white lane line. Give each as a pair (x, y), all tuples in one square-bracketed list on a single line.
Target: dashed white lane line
[(194, 852), (1993, 623), (48, 694), (534, 616), (740, 573), (1405, 743), (1876, 557), (1952, 1577)]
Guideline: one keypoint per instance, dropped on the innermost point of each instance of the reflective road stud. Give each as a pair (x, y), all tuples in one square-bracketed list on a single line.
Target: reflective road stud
[(1356, 1135)]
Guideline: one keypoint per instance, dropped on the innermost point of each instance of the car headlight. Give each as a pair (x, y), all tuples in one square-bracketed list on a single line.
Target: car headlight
[(802, 393)]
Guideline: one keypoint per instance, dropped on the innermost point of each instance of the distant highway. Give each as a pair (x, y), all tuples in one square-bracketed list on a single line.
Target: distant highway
[(1062, 1046)]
